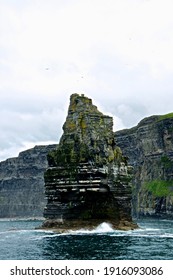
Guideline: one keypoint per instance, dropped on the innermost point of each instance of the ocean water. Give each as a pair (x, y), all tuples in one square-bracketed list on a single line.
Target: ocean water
[(152, 241)]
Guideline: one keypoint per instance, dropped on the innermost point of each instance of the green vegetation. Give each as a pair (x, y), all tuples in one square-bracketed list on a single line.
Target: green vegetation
[(164, 117), (118, 154), (51, 158), (166, 162), (159, 188)]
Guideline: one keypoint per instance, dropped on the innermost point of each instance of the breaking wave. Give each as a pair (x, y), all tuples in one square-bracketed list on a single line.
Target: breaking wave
[(152, 240), (102, 228)]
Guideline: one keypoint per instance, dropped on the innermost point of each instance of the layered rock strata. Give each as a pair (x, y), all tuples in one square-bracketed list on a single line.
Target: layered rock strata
[(22, 183), (149, 148), (88, 180)]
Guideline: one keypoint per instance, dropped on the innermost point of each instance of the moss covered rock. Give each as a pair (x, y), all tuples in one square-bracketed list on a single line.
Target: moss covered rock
[(88, 179)]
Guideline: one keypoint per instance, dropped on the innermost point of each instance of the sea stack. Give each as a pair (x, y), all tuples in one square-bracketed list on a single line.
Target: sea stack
[(88, 179)]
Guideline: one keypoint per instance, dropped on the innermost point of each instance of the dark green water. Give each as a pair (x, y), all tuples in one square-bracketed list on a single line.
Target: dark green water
[(19, 240)]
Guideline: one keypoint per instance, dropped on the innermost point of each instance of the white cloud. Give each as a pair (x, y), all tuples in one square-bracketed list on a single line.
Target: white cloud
[(118, 52)]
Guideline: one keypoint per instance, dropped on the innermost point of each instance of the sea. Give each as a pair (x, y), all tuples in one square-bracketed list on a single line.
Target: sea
[(21, 240)]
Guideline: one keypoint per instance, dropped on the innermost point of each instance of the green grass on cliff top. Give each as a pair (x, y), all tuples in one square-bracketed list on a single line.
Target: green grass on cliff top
[(166, 116)]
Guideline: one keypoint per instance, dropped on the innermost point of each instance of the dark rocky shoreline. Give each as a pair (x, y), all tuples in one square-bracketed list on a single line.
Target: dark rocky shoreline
[(59, 227)]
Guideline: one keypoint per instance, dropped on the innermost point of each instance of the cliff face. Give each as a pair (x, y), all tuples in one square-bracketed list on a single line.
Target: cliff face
[(22, 183), (149, 148), (88, 170), (87, 181)]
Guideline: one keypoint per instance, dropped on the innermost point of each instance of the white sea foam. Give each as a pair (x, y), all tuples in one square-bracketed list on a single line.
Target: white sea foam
[(40, 237), (102, 228), (43, 230), (150, 229)]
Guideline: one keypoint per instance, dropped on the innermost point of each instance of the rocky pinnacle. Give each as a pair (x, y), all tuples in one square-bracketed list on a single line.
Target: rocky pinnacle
[(88, 179)]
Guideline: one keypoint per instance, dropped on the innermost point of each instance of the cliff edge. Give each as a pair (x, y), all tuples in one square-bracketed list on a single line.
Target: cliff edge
[(149, 148)]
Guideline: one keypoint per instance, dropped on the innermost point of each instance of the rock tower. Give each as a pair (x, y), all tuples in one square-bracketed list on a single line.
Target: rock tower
[(88, 180)]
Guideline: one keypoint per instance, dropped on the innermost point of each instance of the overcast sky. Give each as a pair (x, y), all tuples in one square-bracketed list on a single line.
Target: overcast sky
[(117, 52)]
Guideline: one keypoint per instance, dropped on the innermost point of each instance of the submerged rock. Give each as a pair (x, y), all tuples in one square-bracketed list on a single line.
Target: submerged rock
[(88, 180)]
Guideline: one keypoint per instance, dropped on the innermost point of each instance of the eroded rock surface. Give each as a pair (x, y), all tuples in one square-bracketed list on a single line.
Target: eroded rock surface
[(22, 183), (149, 148), (88, 180)]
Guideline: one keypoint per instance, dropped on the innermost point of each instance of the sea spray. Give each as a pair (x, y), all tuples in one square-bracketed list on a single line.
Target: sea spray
[(152, 241), (102, 228)]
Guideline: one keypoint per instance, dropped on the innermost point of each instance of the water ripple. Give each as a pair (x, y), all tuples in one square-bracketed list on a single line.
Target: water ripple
[(20, 240)]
